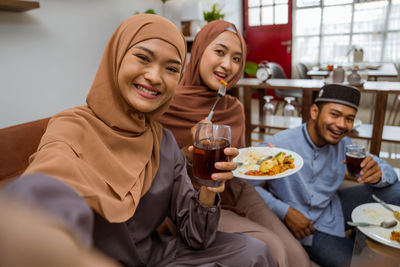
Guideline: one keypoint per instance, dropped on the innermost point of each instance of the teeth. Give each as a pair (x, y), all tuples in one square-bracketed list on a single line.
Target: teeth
[(338, 133), (145, 90)]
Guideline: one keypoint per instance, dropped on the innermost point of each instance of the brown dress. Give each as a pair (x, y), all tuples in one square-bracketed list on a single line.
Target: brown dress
[(192, 103)]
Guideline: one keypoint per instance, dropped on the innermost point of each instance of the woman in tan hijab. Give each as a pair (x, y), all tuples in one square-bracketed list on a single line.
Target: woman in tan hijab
[(219, 52), (111, 173)]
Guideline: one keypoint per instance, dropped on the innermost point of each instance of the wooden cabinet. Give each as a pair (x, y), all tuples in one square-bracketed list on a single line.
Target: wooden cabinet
[(18, 6)]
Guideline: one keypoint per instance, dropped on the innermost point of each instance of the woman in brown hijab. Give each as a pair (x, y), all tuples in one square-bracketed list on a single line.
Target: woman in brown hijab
[(219, 52), (111, 173)]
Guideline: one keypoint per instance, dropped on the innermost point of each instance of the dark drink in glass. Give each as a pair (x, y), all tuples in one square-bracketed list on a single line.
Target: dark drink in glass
[(354, 156), (208, 150)]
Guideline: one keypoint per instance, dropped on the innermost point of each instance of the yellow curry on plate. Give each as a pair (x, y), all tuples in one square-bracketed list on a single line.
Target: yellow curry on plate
[(277, 164)]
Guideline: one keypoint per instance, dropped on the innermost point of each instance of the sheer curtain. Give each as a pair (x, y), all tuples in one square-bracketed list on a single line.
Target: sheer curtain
[(327, 31)]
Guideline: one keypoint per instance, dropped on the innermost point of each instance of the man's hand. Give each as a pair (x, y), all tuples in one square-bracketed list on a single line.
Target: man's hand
[(371, 173), (298, 223)]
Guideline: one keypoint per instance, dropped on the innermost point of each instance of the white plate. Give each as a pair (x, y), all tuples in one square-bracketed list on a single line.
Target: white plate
[(375, 213), (259, 152)]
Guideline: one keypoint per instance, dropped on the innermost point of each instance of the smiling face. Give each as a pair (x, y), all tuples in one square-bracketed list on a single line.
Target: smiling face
[(221, 60), (330, 123), (149, 73)]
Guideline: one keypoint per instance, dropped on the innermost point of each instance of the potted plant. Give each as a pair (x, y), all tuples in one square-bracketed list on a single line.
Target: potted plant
[(214, 14), (148, 11), (250, 68)]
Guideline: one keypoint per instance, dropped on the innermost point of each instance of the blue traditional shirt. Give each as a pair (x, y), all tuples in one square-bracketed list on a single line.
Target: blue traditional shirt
[(313, 189)]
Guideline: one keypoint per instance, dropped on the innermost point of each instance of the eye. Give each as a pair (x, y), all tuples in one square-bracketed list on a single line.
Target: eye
[(219, 52), (335, 115), (142, 57), (173, 69), (350, 119), (237, 59)]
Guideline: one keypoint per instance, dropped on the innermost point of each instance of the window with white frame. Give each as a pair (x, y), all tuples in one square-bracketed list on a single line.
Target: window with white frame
[(327, 31), (267, 12)]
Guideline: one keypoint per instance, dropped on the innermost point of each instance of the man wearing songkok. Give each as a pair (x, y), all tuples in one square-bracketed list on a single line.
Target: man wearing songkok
[(310, 202)]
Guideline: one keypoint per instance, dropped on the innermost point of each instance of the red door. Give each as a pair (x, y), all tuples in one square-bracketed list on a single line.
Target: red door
[(268, 33)]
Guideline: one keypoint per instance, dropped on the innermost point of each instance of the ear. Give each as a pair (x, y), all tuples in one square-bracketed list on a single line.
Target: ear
[(314, 110)]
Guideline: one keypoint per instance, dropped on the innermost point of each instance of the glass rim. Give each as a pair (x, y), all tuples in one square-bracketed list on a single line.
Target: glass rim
[(355, 146), (215, 124)]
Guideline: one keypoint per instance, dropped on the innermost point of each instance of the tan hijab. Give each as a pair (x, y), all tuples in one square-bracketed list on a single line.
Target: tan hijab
[(193, 99), (107, 151)]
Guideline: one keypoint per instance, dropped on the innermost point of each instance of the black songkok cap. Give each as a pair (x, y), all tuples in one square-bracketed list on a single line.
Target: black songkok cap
[(341, 94)]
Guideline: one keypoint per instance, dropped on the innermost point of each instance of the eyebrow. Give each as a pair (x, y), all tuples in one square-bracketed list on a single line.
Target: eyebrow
[(152, 54), (224, 46)]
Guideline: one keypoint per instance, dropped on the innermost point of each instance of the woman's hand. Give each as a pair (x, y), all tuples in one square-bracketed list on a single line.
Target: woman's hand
[(227, 167), (194, 128), (189, 153), (207, 194)]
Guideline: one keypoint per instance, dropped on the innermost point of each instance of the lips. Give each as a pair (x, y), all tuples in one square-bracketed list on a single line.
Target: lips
[(220, 75), (336, 133), (146, 91)]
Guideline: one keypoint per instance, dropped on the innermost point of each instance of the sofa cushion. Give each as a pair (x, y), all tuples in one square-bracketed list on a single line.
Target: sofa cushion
[(17, 143)]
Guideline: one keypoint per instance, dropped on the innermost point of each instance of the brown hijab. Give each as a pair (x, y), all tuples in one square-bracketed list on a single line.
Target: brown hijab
[(107, 151), (193, 99)]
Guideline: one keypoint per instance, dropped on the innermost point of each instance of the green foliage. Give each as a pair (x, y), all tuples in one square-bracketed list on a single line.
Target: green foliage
[(250, 68), (214, 14), (164, 1), (148, 11)]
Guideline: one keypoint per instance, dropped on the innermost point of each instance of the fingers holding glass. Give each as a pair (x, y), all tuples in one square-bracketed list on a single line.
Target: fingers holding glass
[(209, 148)]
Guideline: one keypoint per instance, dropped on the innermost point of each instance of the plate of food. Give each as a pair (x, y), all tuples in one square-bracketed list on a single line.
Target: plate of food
[(374, 213), (266, 163)]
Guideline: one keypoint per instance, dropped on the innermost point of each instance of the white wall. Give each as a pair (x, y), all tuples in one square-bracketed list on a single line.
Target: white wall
[(49, 56)]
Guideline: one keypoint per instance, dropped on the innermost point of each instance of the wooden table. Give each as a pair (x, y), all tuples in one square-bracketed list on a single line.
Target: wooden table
[(376, 132), (386, 70), (368, 252)]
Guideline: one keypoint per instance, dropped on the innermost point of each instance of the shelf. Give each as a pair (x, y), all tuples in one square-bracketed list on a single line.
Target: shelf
[(18, 6)]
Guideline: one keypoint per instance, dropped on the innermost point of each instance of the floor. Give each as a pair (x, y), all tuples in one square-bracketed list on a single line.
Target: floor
[(390, 152)]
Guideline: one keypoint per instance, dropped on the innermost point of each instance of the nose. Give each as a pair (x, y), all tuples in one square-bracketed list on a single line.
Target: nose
[(153, 74), (226, 63), (341, 123)]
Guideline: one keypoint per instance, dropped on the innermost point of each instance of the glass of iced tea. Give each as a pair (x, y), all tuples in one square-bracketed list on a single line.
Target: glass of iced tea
[(209, 144), (355, 154)]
